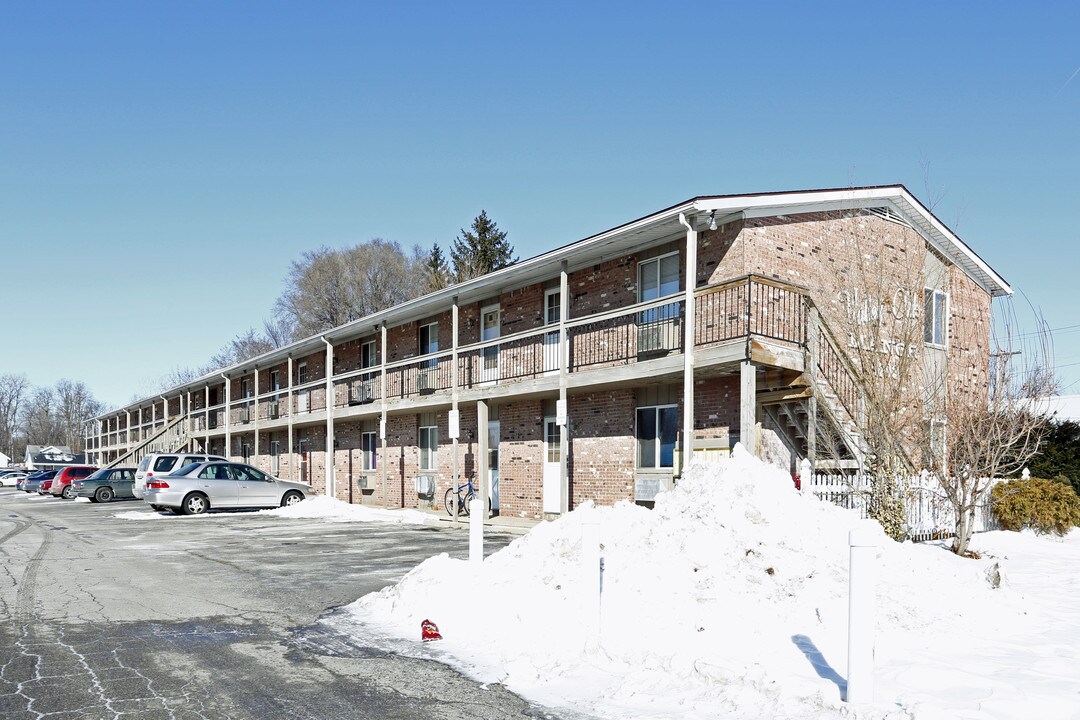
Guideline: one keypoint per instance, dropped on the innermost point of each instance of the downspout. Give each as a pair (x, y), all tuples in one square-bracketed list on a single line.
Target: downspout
[(689, 322)]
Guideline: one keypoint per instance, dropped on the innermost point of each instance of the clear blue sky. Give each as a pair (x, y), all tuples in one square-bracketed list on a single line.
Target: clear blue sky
[(161, 164)]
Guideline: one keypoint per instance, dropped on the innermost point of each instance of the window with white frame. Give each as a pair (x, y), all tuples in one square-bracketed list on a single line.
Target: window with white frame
[(368, 355), (657, 432), (658, 277), (368, 459), (429, 341), (934, 316), (429, 443), (275, 457), (275, 380), (658, 329), (245, 387)]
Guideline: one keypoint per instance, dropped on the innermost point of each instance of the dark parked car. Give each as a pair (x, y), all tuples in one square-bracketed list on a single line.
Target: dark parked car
[(61, 484), (32, 483), (45, 486), (106, 484)]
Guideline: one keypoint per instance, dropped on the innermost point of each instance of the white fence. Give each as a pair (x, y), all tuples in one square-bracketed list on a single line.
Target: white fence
[(929, 514)]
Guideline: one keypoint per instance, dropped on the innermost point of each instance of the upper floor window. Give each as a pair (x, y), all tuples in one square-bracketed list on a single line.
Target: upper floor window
[(934, 315), (429, 338), (275, 380), (301, 373), (245, 387), (658, 277), (368, 356)]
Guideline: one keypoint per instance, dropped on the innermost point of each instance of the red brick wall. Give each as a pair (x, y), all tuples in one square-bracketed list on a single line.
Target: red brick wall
[(521, 458), (601, 462)]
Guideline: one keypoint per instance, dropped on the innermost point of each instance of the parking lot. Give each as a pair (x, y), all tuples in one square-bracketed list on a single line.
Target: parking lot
[(111, 610)]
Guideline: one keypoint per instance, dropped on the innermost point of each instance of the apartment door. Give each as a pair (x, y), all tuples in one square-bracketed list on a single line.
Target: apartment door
[(552, 309), (489, 330), (552, 497), (305, 464), (493, 463)]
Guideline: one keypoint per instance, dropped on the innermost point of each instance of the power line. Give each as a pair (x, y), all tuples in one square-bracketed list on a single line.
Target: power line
[(1067, 328)]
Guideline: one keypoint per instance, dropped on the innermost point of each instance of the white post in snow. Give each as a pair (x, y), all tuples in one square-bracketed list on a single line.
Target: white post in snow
[(862, 575), (806, 476), (476, 532), (590, 569)]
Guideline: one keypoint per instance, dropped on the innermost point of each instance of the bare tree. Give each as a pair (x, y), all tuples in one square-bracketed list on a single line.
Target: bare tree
[(327, 288), (74, 405), (39, 418), (991, 429), (13, 392)]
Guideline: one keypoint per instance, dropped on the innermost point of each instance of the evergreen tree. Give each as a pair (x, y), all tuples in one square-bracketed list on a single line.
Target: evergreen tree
[(1059, 454), (480, 250), (437, 270)]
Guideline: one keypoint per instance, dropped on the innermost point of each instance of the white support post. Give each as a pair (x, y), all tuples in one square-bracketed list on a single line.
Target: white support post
[(564, 372), (331, 485), (382, 414), (289, 406), (590, 577), (863, 540), (206, 418), (748, 406), (228, 418), (483, 469), (455, 420), (690, 280), (255, 413), (476, 531), (806, 477)]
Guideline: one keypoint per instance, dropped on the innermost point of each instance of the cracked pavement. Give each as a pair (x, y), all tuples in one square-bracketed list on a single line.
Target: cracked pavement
[(211, 617)]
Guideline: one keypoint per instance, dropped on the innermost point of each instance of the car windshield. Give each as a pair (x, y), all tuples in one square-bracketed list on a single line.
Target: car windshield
[(98, 475)]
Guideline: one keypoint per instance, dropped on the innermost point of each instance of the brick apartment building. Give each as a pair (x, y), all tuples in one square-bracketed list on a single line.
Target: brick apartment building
[(568, 377)]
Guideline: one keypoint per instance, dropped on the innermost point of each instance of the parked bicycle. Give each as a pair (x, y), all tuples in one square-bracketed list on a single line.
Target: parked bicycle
[(464, 495)]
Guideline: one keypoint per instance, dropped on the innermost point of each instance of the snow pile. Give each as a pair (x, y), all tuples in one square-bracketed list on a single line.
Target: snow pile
[(727, 600), (321, 507)]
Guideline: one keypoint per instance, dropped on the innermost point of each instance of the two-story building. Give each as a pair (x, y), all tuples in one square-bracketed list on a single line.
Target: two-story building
[(593, 371)]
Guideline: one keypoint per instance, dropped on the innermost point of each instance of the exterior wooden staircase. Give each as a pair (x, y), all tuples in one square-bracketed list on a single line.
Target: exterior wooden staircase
[(172, 437)]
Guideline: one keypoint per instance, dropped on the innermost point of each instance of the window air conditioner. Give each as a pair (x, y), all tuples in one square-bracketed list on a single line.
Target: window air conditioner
[(425, 381), (273, 410), (362, 393), (244, 415)]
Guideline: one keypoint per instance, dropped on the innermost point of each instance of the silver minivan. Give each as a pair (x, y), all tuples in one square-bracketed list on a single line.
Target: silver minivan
[(163, 464)]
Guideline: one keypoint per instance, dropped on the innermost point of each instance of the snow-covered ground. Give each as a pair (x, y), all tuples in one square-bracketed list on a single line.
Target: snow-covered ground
[(334, 510), (729, 599)]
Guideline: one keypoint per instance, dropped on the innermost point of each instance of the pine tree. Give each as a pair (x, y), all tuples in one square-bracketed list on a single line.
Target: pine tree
[(437, 271), (480, 250)]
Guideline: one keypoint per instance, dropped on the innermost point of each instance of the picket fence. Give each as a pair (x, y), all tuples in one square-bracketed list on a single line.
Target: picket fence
[(929, 514)]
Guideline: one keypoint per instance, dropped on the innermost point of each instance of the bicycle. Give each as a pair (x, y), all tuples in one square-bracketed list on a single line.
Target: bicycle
[(463, 502)]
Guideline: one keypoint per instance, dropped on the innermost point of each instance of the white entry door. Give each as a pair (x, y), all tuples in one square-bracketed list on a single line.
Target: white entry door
[(493, 463), (489, 330), (551, 339), (552, 499)]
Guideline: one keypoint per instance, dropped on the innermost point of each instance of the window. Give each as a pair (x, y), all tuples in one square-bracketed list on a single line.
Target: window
[(368, 355), (551, 440), (301, 373), (429, 341), (657, 327), (429, 443), (552, 307), (657, 430), (245, 452), (164, 463), (368, 457), (658, 277), (245, 387), (934, 317), (275, 380)]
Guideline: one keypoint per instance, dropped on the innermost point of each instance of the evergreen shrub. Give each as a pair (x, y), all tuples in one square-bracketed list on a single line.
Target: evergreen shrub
[(1045, 506)]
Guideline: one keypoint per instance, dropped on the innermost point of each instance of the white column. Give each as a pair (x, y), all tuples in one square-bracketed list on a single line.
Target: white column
[(748, 406), (382, 414), (689, 318), (476, 531), (292, 453), (482, 469), (331, 485), (255, 412), (455, 415), (206, 418), (564, 371), (228, 418)]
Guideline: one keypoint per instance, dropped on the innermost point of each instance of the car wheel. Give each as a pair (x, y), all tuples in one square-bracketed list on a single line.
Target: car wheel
[(291, 498), (103, 494), (68, 493), (195, 504)]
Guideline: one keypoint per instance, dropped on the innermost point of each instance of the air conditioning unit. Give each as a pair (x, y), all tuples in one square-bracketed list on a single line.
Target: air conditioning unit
[(303, 401), (657, 337), (362, 393), (273, 410), (245, 415), (425, 486), (425, 381)]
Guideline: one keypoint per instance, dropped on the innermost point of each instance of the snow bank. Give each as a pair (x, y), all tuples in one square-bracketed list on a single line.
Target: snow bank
[(330, 509)]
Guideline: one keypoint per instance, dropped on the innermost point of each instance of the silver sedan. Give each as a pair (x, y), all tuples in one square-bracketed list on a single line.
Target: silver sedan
[(195, 488)]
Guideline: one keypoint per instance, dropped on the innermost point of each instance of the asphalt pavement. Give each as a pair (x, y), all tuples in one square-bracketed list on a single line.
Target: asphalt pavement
[(110, 611)]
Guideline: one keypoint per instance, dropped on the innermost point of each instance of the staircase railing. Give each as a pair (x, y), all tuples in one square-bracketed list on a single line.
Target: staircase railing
[(173, 436)]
